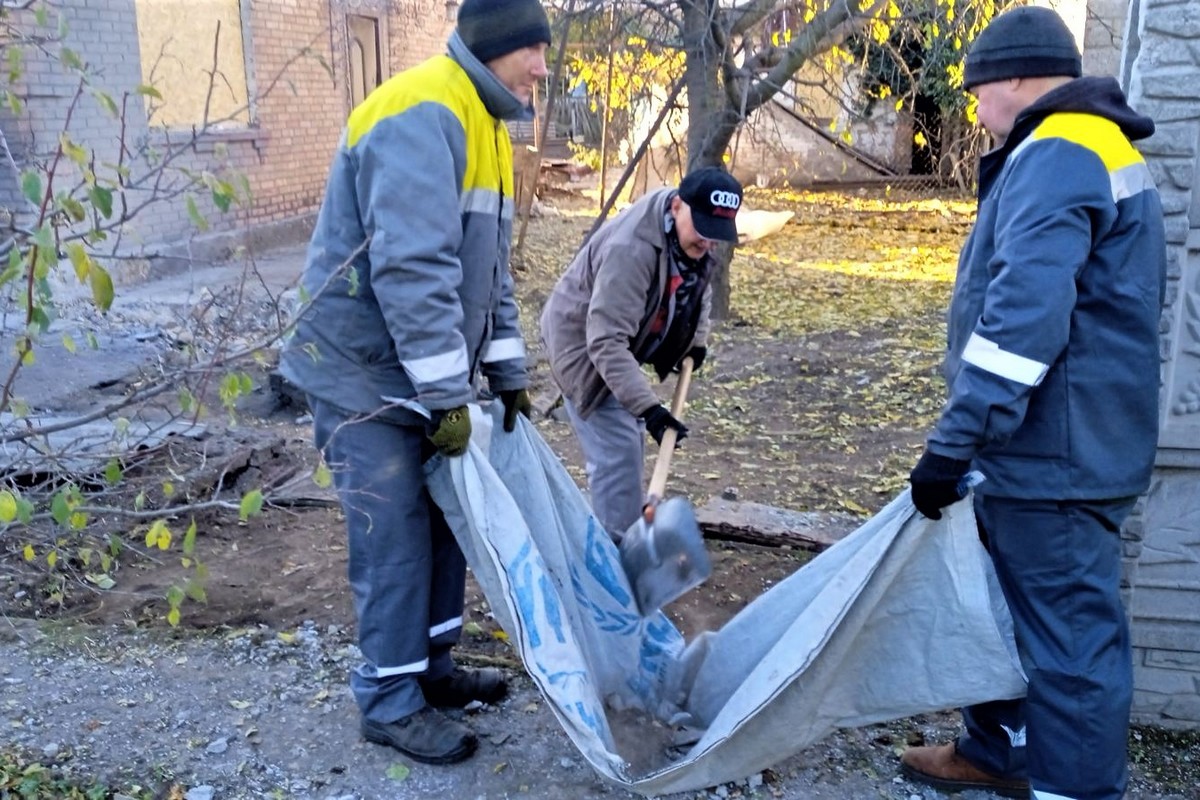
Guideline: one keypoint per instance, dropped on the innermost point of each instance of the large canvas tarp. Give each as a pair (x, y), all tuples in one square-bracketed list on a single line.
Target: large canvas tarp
[(901, 617)]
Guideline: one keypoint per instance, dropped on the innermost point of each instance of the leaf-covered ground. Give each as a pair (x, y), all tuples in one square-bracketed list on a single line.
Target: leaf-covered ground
[(819, 390)]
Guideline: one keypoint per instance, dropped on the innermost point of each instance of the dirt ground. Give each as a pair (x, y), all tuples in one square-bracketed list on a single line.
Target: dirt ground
[(816, 396)]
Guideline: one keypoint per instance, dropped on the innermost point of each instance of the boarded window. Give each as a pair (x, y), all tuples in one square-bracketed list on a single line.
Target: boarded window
[(176, 40)]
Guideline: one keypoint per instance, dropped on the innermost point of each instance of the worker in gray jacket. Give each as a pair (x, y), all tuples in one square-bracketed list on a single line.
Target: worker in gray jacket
[(637, 293), (411, 299), (1053, 373)]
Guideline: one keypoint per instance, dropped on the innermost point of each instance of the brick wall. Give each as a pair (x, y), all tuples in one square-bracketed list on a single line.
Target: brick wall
[(297, 114)]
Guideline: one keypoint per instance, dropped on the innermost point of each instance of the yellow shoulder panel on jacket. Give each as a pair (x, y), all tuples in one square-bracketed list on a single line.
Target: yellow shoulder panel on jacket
[(439, 80), (1102, 136)]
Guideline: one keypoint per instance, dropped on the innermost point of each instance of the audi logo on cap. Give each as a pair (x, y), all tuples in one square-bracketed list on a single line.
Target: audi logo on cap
[(723, 199)]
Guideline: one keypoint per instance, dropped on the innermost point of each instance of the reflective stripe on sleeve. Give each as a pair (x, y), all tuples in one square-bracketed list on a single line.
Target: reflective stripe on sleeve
[(480, 201), (1050, 796), (432, 369), (989, 357), (444, 627), (405, 669), (1130, 180), (504, 349)]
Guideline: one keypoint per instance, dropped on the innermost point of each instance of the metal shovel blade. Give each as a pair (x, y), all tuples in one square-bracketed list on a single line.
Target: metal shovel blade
[(665, 557)]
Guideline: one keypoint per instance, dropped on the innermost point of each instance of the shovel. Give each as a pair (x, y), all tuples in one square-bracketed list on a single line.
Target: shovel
[(663, 552)]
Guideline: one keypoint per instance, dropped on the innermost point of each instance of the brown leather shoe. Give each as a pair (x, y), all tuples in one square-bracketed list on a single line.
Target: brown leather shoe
[(943, 768)]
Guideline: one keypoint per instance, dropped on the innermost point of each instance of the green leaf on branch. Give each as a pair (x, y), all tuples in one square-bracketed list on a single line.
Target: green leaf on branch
[(31, 186), (195, 590), (60, 508), (112, 472), (189, 539), (102, 581), (47, 256), (146, 90), (15, 58), (72, 151), (14, 103), (39, 321), (107, 103), (187, 400), (15, 266), (72, 208), (68, 343), (194, 214), (70, 59), (102, 199), (322, 476), (80, 260), (102, 287), (24, 511), (222, 200), (8, 507), (252, 503)]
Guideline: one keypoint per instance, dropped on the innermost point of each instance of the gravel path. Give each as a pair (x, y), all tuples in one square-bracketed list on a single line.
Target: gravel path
[(255, 713)]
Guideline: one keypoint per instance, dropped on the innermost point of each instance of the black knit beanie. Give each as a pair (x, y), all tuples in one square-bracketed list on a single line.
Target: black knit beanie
[(1026, 42), (493, 28)]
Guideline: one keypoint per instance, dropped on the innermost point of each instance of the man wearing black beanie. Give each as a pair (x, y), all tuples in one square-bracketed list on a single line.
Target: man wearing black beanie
[(411, 300), (1053, 333)]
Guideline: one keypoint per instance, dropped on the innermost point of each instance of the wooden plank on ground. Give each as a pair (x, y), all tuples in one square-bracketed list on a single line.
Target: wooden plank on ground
[(756, 523)]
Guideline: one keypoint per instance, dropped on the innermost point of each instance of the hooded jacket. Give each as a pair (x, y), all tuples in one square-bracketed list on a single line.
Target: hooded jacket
[(599, 313), (1053, 331), (407, 269)]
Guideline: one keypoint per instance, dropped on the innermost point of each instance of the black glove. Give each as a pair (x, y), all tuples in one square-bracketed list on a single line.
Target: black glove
[(658, 419), (935, 482), (451, 431), (697, 355), (516, 401)]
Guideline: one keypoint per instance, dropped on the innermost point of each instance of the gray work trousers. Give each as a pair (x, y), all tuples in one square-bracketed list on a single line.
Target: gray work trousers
[(1059, 565), (613, 444), (407, 573)]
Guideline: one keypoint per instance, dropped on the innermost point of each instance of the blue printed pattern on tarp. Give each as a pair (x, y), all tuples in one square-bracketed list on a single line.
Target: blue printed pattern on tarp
[(903, 616)]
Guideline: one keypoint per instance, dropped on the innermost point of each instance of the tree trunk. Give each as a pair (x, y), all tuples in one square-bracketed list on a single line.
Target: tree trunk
[(711, 121)]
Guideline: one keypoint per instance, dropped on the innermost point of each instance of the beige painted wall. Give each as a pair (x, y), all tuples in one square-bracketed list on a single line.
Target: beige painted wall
[(175, 39)]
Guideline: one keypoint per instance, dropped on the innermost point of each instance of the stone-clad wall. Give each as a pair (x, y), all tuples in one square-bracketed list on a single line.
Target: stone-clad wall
[(1162, 64)]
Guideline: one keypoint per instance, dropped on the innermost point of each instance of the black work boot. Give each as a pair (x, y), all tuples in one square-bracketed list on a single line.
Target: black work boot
[(427, 736), (462, 686)]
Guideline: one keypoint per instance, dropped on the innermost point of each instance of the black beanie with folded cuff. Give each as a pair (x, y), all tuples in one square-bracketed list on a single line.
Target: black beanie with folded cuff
[(494, 28), (1026, 42)]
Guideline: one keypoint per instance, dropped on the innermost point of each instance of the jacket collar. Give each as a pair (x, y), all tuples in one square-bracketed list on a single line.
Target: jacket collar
[(497, 99)]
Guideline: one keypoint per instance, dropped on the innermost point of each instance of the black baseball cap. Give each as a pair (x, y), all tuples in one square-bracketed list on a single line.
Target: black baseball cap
[(714, 197)]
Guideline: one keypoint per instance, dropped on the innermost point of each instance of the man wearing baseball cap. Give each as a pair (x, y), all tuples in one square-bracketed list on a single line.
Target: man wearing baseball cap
[(411, 300), (637, 293), (1053, 332)]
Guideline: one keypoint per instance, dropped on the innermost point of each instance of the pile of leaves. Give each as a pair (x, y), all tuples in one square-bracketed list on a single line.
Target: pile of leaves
[(26, 776)]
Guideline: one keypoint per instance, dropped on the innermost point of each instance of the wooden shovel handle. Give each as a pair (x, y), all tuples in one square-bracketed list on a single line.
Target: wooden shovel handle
[(658, 481)]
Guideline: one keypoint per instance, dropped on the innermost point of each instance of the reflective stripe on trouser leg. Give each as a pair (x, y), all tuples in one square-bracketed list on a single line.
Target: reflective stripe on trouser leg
[(376, 468), (613, 445), (1059, 564), (446, 598)]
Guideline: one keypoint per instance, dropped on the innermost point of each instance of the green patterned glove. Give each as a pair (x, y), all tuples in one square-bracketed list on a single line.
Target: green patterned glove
[(453, 431), (516, 401)]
